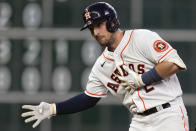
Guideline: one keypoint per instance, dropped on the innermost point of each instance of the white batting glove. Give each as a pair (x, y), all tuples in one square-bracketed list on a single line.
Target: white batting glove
[(40, 112), (133, 108), (131, 82)]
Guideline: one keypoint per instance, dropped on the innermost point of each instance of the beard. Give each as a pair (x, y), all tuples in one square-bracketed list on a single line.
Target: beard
[(110, 41), (107, 42)]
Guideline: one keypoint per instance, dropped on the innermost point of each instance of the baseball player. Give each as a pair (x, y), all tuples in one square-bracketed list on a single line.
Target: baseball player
[(137, 66)]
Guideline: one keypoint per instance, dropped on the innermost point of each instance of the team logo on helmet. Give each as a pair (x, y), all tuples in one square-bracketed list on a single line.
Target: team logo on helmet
[(87, 15), (160, 46)]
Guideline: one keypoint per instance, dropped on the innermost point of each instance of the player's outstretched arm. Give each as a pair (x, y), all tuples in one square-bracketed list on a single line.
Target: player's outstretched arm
[(45, 110)]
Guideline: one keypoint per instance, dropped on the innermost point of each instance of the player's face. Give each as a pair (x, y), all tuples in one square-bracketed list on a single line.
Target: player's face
[(101, 34)]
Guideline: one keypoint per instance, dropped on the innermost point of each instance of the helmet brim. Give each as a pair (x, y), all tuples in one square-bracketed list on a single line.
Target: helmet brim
[(84, 27), (91, 23)]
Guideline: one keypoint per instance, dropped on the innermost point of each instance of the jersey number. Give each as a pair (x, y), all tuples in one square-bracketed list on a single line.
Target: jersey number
[(148, 89)]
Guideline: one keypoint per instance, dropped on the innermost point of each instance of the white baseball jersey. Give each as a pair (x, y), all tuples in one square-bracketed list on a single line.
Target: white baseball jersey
[(140, 50)]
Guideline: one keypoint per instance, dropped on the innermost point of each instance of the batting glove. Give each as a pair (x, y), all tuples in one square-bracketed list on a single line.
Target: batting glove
[(131, 82), (40, 112)]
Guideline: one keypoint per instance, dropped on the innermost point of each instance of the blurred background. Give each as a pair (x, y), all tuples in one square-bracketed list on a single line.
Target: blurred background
[(44, 57)]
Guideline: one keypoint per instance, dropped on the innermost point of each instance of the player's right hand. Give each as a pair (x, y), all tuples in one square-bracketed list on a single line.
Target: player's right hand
[(39, 112)]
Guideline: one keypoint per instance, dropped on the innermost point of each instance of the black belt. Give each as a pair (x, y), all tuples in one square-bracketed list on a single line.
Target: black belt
[(154, 109)]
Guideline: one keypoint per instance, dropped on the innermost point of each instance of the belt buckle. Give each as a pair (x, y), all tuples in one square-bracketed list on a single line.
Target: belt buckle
[(159, 107)]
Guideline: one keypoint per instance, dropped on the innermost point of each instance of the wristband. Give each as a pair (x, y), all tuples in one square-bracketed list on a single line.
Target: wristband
[(53, 109), (150, 77)]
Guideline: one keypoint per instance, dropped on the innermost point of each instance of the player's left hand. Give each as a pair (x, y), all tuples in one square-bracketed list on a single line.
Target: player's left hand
[(131, 82), (39, 112)]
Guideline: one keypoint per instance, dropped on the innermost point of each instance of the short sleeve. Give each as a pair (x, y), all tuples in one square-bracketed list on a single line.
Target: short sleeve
[(152, 46), (95, 87)]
